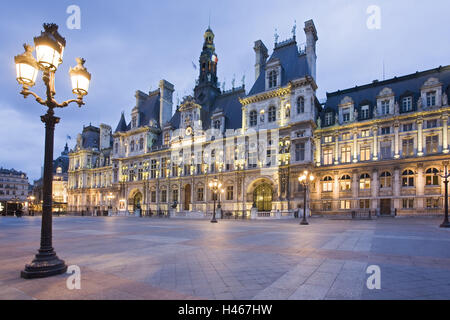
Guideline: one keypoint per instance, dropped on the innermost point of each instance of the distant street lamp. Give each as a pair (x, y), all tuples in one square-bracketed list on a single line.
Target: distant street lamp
[(49, 52), (445, 175), (305, 179), (215, 186), (110, 196)]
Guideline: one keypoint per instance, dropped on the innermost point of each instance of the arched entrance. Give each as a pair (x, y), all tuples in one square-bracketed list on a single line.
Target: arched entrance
[(187, 196), (137, 203), (262, 197)]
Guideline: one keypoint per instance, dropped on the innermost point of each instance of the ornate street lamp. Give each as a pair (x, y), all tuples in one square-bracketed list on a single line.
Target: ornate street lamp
[(215, 186), (305, 179), (445, 175), (49, 52), (110, 196)]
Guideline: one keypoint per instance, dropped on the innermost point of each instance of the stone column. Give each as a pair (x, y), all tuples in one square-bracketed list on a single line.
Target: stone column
[(375, 186), (396, 185), (396, 140), (420, 185), (355, 187), (318, 151), (375, 143), (336, 189), (355, 146), (336, 149), (445, 132), (419, 137)]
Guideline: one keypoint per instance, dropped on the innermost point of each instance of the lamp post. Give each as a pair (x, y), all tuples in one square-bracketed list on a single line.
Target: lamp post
[(305, 179), (49, 52), (445, 175), (110, 196), (215, 186)]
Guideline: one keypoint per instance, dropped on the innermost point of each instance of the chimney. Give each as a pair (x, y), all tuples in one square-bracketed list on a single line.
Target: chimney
[(166, 90), (105, 136), (311, 39), (260, 57)]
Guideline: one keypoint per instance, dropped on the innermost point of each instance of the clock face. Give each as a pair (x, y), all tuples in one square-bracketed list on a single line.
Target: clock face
[(188, 131)]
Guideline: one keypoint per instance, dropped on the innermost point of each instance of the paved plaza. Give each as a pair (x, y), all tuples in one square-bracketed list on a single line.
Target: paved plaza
[(152, 258)]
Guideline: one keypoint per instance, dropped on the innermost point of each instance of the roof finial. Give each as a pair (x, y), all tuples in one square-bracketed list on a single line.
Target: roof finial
[(294, 29), (209, 19), (276, 36)]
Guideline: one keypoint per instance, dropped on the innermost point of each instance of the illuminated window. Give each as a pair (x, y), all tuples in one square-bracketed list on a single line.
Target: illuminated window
[(328, 139), (408, 178), (365, 133), (364, 181), (408, 147), (230, 193), (153, 168), (346, 136), (200, 194), (300, 105), (327, 184), (365, 153), (345, 204), (385, 179), (166, 138), (431, 177), (346, 154), (432, 203), (346, 183)]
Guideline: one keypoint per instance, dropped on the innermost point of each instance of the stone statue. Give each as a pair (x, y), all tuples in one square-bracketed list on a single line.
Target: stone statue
[(419, 104), (319, 123), (375, 110), (444, 99), (336, 119), (355, 114), (396, 108)]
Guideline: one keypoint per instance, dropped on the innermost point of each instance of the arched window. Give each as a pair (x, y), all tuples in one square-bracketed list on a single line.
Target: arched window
[(327, 184), (431, 177), (272, 114), (272, 79), (217, 124), (385, 180), (346, 183), (408, 178), (141, 143), (364, 181), (300, 105)]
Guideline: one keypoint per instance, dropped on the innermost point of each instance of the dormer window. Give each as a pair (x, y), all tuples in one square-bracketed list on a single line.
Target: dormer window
[(272, 114), (346, 115), (328, 118), (166, 138), (300, 105), (272, 79), (431, 98), (134, 122), (407, 104), (385, 107), (216, 124), (253, 118)]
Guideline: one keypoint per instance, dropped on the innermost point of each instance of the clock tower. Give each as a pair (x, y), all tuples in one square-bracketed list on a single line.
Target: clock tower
[(207, 90)]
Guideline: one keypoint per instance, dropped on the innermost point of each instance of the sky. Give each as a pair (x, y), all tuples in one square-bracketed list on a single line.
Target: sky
[(131, 45)]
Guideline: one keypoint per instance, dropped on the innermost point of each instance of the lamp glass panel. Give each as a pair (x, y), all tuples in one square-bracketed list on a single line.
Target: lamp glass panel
[(47, 56), (26, 73), (80, 84)]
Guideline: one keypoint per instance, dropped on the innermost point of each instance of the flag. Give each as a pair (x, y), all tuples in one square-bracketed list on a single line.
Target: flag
[(69, 137), (194, 66), (214, 58)]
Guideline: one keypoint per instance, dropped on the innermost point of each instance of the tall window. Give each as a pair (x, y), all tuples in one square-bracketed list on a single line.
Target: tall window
[(432, 123), (364, 204), (253, 118), (217, 124), (141, 143), (345, 204), (364, 112), (166, 138), (408, 203), (328, 118), (134, 122), (385, 107), (407, 127), (364, 181), (153, 196), (132, 146), (407, 104), (346, 183), (385, 130), (408, 178), (153, 169), (365, 153), (300, 151), (230, 193), (385, 180), (327, 184), (272, 79), (300, 105), (175, 195), (163, 195), (200, 194), (365, 133), (272, 114), (328, 139), (408, 147), (346, 114), (385, 149), (432, 144), (328, 156), (431, 177), (346, 153), (431, 98)]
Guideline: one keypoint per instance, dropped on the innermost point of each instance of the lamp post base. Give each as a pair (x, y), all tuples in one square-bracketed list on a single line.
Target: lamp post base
[(445, 224), (214, 221), (45, 264), (304, 223)]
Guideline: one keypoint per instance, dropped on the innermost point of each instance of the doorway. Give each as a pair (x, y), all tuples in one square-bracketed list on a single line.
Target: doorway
[(187, 196), (385, 207), (262, 197)]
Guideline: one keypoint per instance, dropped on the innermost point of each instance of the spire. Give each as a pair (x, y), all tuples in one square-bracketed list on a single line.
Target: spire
[(208, 60), (122, 126)]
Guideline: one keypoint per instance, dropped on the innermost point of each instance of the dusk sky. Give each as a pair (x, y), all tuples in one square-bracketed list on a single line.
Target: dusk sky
[(131, 45)]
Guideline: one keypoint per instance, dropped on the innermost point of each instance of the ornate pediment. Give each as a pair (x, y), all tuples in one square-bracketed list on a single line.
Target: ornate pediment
[(189, 104)]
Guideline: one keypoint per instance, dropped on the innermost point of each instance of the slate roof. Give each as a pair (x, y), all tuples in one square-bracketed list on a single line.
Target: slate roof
[(90, 137), (294, 65), (122, 125), (409, 85)]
